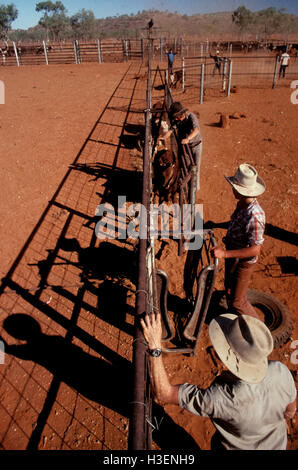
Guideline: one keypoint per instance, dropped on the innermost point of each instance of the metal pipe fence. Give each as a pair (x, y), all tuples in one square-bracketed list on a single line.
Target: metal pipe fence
[(140, 431)]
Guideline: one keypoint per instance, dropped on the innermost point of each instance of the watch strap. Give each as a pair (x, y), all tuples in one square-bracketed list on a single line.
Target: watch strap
[(155, 352)]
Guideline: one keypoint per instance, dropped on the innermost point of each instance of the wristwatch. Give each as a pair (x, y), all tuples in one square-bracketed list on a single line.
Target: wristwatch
[(155, 352)]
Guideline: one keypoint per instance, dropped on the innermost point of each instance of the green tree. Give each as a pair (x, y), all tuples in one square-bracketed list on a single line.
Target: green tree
[(8, 14), (83, 24), (273, 20), (243, 18), (54, 18)]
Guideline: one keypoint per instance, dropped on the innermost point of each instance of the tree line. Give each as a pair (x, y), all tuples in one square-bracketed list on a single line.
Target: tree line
[(55, 24)]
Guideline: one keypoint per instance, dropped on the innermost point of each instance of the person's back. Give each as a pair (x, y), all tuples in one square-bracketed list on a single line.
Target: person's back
[(247, 416), (285, 58)]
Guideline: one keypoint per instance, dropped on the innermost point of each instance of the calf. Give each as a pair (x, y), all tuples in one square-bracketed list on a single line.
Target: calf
[(166, 174), (175, 79), (159, 123)]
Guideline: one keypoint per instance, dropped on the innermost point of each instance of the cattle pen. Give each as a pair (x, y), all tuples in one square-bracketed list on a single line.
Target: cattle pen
[(71, 300)]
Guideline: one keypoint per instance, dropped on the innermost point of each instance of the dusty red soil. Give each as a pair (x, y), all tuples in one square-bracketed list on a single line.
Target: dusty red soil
[(46, 403)]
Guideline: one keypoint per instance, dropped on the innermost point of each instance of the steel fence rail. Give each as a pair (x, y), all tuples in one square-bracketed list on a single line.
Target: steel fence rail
[(139, 434)]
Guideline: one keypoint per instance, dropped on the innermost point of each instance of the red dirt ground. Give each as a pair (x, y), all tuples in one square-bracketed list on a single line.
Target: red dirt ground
[(48, 114)]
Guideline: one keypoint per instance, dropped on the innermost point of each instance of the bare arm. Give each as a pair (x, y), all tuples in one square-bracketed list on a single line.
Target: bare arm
[(248, 252), (191, 136), (290, 410), (162, 389)]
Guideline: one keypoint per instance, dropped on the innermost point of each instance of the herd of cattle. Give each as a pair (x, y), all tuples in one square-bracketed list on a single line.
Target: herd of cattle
[(251, 46), (8, 50)]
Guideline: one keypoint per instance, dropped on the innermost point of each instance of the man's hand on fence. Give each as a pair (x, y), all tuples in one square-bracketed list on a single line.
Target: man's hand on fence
[(152, 330)]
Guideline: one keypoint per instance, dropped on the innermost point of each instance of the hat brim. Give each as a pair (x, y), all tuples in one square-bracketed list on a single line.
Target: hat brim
[(182, 111), (249, 373), (253, 191)]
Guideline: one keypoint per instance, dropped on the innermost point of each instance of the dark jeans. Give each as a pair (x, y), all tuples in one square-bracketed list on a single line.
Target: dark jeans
[(238, 274), (282, 71)]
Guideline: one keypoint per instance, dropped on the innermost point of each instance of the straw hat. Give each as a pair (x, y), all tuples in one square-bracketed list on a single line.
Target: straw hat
[(246, 181), (243, 343), (177, 109)]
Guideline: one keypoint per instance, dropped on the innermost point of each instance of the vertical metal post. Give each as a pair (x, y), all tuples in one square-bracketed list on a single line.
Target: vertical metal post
[(193, 194), (16, 53), (202, 83), (126, 49), (231, 50), (180, 245), (201, 49), (229, 79), (160, 45), (224, 71), (2, 353), (142, 49), (275, 71), (183, 74), (45, 52), (78, 52), (99, 51), (181, 48), (75, 52)]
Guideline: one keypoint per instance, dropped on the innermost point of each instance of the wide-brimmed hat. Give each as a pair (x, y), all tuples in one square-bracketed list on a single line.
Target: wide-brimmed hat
[(177, 109), (246, 181), (243, 343)]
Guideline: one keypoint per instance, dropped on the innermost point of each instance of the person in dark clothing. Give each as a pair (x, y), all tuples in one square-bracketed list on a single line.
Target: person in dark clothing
[(217, 62), (188, 129)]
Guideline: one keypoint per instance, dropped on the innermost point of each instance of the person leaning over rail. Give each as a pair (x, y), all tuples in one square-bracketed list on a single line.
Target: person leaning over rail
[(249, 402), (188, 129), (244, 238)]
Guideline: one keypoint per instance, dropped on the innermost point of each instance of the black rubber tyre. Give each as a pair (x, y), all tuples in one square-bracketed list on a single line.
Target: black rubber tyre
[(276, 315)]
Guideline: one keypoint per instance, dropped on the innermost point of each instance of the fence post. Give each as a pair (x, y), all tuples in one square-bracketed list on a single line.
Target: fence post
[(126, 49), (275, 71), (166, 86), (78, 51), (181, 48), (224, 74), (201, 49), (142, 49), (75, 52), (193, 193), (45, 52), (99, 51), (16, 54), (160, 45), (2, 352), (202, 83), (230, 79), (183, 74)]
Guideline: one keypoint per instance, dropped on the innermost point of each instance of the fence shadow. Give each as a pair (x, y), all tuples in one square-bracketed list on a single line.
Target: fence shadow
[(67, 283)]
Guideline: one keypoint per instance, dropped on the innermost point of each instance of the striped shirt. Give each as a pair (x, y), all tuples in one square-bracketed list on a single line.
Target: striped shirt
[(246, 228)]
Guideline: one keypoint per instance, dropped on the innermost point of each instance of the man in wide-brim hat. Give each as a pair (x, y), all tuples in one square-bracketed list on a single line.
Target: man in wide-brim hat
[(187, 125), (249, 402), (244, 238)]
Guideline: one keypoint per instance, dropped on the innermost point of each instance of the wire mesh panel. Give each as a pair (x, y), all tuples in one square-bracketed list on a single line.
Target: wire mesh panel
[(67, 304)]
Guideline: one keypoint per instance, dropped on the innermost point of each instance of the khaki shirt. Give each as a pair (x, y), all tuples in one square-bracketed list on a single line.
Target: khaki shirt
[(247, 416)]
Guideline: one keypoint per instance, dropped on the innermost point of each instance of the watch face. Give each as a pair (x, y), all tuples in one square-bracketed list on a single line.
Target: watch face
[(155, 352)]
